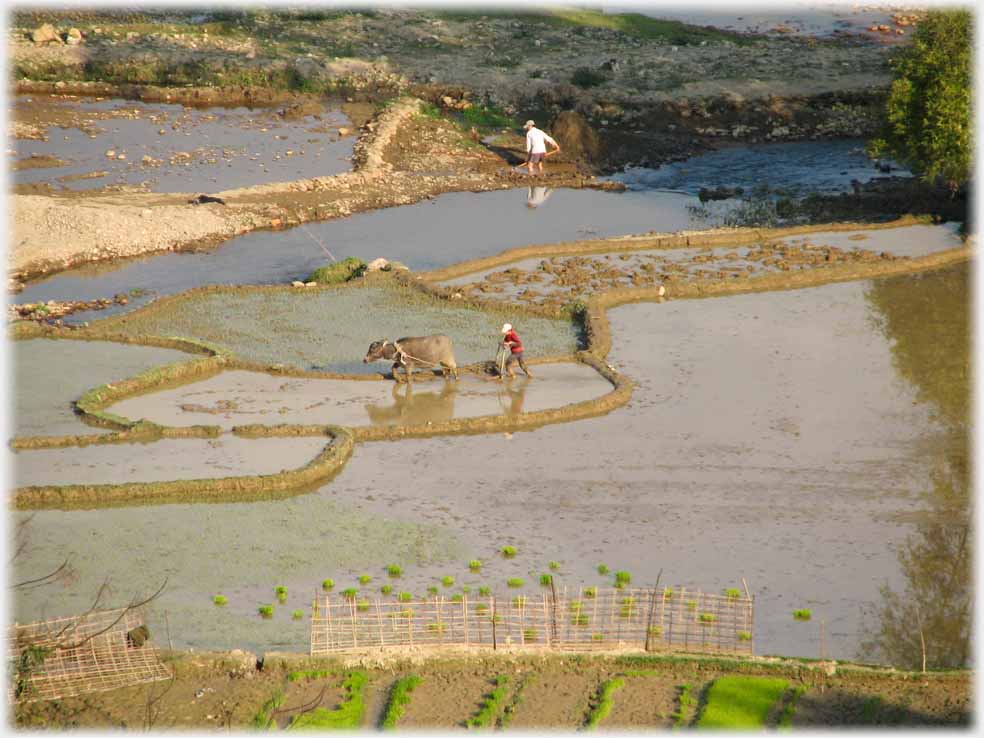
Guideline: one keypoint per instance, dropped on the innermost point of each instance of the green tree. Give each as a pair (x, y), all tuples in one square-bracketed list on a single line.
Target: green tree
[(928, 117)]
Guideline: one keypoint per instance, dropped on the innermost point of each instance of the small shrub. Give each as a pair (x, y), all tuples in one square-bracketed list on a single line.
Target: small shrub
[(386, 589), (628, 608), (530, 634), (802, 614), (365, 579), (554, 565), (691, 604), (362, 605), (433, 590), (597, 637), (405, 596), (436, 627), (580, 620), (350, 594), (515, 582), (281, 594), (744, 635), (576, 606), (485, 591), (733, 593), (591, 592), (668, 593), (509, 551), (622, 578), (266, 611), (603, 570), (519, 601), (343, 271), (655, 631), (220, 600), (481, 607), (585, 77), (406, 613), (297, 614), (328, 585), (394, 570), (708, 617), (546, 580), (466, 589), (475, 565), (457, 598), (448, 581)]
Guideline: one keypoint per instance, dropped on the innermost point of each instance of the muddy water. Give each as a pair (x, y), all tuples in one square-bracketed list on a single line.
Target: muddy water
[(772, 437), (185, 458), (797, 168), (450, 228), (240, 398), (911, 241), (200, 149), (50, 375), (330, 330)]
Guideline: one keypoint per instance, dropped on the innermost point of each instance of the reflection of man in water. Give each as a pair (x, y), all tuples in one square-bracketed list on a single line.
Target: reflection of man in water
[(537, 196), (516, 398)]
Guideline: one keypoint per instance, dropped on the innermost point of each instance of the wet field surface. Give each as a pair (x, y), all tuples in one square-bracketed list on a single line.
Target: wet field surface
[(185, 458), (173, 148), (782, 437), (331, 329), (240, 398), (461, 226), (50, 375), (561, 278)]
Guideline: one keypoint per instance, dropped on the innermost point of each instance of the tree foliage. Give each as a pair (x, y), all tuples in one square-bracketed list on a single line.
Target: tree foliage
[(928, 118)]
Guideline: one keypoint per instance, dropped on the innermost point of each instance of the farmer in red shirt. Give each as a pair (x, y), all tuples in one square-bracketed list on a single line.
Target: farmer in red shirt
[(511, 339)]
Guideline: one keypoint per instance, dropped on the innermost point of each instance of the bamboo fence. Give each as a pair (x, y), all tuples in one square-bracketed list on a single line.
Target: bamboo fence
[(586, 619), (64, 657)]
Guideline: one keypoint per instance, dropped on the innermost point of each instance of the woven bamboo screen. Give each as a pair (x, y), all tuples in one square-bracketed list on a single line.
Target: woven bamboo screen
[(69, 656), (583, 620)]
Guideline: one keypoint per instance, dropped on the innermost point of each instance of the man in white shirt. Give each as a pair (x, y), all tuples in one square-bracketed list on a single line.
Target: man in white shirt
[(536, 146)]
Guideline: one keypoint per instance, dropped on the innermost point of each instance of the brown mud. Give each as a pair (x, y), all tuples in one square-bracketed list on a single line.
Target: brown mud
[(222, 691)]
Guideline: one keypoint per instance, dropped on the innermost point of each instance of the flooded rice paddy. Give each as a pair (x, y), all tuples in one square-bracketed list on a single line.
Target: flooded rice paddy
[(792, 438), (50, 375), (558, 279), (241, 398), (331, 329), (184, 458), (173, 148), (457, 226)]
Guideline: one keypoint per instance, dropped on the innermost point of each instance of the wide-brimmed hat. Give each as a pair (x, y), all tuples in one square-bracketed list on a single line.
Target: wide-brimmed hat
[(506, 327), (529, 124)]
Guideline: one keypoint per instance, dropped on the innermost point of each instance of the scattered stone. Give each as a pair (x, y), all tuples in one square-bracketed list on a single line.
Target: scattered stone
[(73, 37), (111, 154), (377, 265), (45, 34), (297, 283)]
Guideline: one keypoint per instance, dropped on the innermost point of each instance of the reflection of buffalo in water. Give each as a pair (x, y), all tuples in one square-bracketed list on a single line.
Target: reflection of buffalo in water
[(415, 408)]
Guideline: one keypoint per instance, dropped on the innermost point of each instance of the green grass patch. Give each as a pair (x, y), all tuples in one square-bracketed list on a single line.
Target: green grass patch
[(741, 702), (342, 271), (802, 614), (519, 601), (347, 716), (265, 611), (405, 596), (220, 600), (509, 551), (475, 565), (297, 614), (433, 590), (350, 593), (448, 581), (487, 117), (364, 579), (686, 703), (546, 580), (733, 593), (457, 597), (263, 720), (398, 701), (554, 565), (487, 713), (281, 592), (707, 618), (362, 605), (296, 676), (622, 578), (789, 709), (591, 592), (328, 585), (485, 591), (603, 570), (515, 582), (642, 26), (603, 703), (394, 570), (386, 589)]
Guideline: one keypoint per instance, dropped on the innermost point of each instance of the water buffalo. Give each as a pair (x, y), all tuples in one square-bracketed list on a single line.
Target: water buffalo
[(429, 352)]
